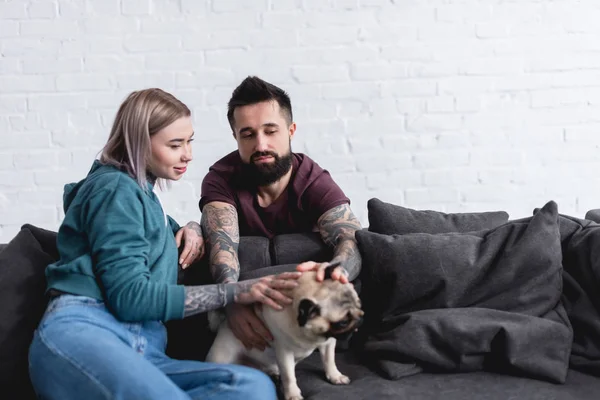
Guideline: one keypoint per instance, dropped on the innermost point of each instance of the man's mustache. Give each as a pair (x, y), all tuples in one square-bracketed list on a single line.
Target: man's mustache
[(263, 154)]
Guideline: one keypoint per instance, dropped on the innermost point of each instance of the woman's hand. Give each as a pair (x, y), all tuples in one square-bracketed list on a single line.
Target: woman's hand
[(266, 290), (193, 241)]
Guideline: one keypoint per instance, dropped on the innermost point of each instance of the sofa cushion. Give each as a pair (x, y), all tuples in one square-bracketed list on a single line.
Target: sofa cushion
[(390, 219), (253, 253), (467, 301), (23, 302), (593, 215), (295, 248), (367, 385)]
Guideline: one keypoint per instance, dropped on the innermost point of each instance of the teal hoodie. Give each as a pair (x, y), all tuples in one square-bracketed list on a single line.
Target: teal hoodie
[(117, 245)]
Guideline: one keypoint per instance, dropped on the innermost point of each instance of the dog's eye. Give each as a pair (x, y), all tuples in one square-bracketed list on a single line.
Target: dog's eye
[(343, 323)]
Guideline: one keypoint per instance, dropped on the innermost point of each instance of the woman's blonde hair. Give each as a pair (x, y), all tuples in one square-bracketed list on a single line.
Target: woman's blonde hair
[(142, 114)]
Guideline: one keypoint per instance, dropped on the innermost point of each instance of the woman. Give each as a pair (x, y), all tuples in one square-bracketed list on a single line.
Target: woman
[(102, 336)]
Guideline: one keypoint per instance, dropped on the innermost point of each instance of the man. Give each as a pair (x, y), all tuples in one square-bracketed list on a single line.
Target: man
[(264, 189)]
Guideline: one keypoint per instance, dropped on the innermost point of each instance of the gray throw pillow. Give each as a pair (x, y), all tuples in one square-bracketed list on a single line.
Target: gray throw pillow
[(467, 301), (390, 219)]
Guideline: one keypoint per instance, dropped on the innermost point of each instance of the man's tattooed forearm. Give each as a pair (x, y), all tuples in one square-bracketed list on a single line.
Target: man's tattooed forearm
[(338, 224), (338, 227), (347, 252), (220, 225)]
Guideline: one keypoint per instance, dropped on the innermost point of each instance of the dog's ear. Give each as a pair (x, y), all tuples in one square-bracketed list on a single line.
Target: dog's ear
[(329, 270), (307, 309)]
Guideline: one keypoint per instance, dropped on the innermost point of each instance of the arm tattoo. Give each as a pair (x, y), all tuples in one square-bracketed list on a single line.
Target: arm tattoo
[(222, 236), (199, 299), (195, 226), (337, 227)]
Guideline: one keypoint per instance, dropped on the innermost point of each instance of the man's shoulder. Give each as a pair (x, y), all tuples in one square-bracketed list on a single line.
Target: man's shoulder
[(307, 169)]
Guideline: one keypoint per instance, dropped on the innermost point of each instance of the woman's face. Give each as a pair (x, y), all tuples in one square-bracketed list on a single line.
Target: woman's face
[(172, 149)]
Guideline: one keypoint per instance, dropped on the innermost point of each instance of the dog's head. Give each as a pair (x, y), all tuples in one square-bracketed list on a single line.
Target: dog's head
[(327, 309)]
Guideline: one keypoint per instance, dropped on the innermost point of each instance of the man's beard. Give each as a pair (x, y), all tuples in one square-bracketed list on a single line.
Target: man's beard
[(264, 174)]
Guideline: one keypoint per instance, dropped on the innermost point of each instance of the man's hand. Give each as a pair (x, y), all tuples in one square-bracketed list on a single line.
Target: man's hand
[(338, 274), (193, 249), (247, 327), (243, 322)]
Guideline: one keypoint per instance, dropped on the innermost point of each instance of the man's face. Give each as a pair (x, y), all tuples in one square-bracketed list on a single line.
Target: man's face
[(264, 141)]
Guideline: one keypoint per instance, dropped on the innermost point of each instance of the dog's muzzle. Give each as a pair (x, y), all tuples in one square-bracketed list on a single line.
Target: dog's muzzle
[(345, 333)]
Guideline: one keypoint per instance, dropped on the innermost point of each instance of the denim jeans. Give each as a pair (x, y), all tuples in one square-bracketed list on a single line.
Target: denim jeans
[(81, 351)]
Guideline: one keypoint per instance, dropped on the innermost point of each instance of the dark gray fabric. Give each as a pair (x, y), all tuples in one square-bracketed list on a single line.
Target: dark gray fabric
[(253, 253), (486, 300), (367, 385), (271, 270), (581, 290), (593, 215), (2, 246), (22, 299), (392, 219), (300, 247)]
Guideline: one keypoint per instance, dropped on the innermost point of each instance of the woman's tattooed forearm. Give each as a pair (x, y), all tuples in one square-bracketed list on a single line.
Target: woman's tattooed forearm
[(338, 227), (220, 225), (199, 299)]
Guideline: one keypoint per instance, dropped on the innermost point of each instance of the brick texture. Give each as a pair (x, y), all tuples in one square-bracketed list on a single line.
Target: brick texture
[(455, 105)]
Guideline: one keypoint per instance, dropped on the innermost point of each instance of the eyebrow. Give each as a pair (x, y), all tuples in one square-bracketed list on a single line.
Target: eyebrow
[(179, 139), (266, 125)]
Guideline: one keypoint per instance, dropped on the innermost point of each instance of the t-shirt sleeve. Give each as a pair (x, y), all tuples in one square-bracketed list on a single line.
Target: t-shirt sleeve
[(215, 188), (322, 195)]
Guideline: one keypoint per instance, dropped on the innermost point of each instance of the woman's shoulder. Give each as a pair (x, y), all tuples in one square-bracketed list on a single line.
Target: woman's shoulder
[(106, 180)]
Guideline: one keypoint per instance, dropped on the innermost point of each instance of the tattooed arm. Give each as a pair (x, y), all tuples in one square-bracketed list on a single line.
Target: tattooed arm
[(337, 227), (266, 290), (221, 231)]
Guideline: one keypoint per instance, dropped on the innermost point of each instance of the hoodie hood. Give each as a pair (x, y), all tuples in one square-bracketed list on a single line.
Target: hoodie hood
[(71, 189)]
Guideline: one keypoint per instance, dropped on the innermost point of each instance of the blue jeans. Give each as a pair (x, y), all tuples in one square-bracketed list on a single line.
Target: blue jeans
[(80, 350)]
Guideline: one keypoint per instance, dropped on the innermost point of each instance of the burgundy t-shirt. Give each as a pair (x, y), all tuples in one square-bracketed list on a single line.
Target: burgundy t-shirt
[(310, 192)]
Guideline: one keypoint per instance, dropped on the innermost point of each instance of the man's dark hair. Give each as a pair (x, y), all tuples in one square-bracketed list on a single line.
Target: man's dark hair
[(254, 90)]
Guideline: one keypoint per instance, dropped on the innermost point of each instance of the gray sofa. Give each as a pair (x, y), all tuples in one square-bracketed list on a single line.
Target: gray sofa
[(379, 367)]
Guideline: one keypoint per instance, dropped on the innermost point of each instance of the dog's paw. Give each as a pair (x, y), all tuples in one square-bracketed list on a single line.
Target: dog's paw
[(293, 394), (338, 379)]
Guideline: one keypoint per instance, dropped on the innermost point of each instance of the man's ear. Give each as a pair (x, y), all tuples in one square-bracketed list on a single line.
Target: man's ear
[(292, 129), (307, 310)]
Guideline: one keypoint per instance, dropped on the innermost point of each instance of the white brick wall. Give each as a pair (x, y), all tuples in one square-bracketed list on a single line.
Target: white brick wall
[(456, 105)]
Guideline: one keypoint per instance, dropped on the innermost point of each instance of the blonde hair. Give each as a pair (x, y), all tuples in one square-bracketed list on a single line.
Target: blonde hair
[(142, 114)]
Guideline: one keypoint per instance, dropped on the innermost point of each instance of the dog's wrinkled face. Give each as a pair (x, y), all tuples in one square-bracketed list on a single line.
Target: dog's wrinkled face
[(328, 308)]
